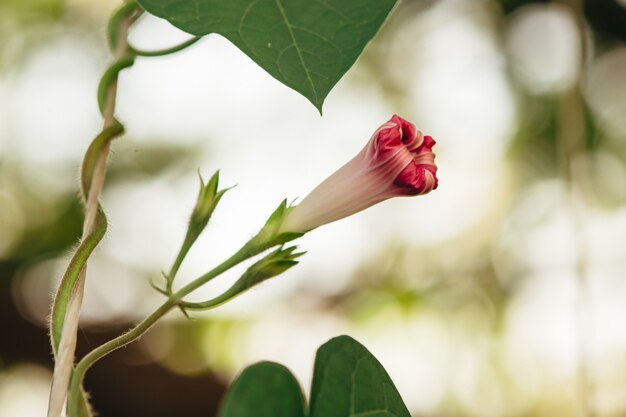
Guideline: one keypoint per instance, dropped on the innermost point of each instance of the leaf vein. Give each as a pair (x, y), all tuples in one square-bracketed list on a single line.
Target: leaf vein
[(317, 35), (337, 12), (245, 14), (293, 39)]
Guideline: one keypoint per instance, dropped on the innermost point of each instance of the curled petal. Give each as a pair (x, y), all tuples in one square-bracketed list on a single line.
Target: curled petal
[(397, 161)]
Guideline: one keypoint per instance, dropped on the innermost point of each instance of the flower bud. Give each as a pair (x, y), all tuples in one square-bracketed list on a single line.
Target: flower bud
[(271, 265), (397, 161), (208, 197)]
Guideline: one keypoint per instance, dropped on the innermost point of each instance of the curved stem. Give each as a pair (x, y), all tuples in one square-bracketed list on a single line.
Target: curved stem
[(141, 328), (110, 346), (267, 238), (167, 51), (67, 345), (182, 254), (236, 259)]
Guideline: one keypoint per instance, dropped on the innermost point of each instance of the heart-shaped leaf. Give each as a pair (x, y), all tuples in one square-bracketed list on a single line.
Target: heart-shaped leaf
[(306, 44), (266, 389), (348, 381)]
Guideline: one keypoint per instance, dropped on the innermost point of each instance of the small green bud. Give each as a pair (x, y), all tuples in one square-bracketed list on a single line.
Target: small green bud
[(268, 267), (271, 234), (208, 198)]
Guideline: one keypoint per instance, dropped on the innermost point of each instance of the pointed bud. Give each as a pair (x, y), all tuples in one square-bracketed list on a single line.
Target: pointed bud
[(208, 198), (397, 161), (273, 233), (270, 266)]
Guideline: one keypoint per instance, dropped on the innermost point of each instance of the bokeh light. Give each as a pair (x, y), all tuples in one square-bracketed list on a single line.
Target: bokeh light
[(499, 294)]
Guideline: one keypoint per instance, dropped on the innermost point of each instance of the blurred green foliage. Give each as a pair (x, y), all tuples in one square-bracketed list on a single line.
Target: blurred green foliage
[(469, 281)]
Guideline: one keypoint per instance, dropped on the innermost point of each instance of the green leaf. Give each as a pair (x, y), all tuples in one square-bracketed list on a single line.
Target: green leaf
[(348, 381), (307, 45), (265, 389)]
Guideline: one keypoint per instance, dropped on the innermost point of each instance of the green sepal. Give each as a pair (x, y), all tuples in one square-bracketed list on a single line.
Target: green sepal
[(268, 237), (268, 267), (270, 234), (109, 76), (158, 289), (208, 198)]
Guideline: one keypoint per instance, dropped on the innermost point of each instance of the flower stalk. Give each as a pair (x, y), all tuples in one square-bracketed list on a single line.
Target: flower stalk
[(397, 161), (208, 198), (273, 264)]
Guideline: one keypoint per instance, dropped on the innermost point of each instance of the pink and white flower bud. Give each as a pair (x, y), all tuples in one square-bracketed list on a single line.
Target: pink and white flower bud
[(397, 161)]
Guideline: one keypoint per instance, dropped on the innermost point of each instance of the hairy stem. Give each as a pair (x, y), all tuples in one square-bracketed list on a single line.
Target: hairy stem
[(141, 328), (267, 238), (182, 254), (67, 345)]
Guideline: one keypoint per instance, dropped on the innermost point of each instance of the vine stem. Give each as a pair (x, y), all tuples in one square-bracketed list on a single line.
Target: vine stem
[(136, 332), (268, 237), (65, 357)]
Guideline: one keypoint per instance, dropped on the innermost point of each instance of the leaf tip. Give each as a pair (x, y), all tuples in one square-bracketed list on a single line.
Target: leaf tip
[(318, 105)]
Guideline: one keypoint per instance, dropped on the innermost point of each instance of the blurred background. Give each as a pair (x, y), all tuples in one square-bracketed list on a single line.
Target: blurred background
[(502, 293)]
